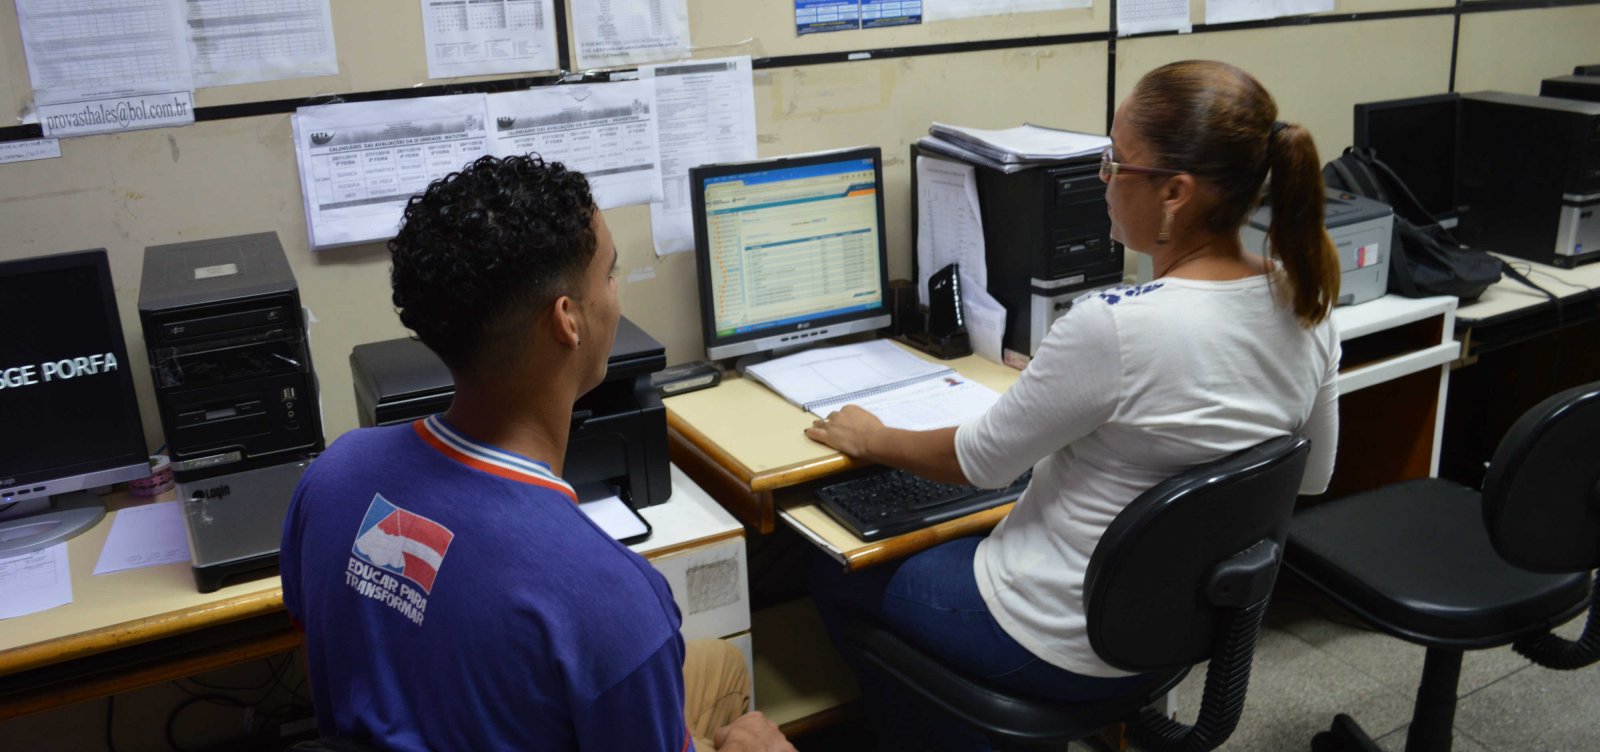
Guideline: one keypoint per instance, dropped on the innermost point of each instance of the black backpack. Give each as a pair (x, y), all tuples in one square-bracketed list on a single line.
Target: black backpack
[(1424, 258)]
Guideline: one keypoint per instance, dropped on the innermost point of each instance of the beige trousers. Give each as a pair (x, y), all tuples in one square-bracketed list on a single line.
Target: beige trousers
[(716, 688)]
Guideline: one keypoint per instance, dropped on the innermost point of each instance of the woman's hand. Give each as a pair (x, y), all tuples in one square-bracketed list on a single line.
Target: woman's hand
[(848, 430)]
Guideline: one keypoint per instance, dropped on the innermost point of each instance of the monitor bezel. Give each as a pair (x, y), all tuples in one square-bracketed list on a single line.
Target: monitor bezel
[(1360, 137), (798, 333), (134, 461)]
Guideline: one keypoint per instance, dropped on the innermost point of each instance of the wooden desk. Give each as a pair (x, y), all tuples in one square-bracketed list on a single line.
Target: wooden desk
[(744, 443), (1517, 348), (147, 626)]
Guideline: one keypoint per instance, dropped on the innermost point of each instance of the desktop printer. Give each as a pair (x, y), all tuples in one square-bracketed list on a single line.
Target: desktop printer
[(619, 433), (1529, 176), (1363, 232), (1047, 240)]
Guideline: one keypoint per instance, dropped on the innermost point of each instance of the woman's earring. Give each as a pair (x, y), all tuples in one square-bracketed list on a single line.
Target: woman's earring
[(1166, 229)]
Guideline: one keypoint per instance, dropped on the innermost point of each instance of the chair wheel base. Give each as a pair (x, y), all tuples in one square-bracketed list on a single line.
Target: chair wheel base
[(1345, 735)]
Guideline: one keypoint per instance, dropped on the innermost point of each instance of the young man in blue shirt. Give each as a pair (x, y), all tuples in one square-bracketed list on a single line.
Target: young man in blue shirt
[(452, 594)]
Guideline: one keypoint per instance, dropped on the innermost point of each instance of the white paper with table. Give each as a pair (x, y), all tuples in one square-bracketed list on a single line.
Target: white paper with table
[(35, 581), (264, 40), (361, 161), (706, 114), (478, 38), (629, 32), (903, 390), (606, 131)]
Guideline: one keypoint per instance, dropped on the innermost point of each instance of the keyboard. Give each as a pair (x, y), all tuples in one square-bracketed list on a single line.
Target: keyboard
[(882, 502)]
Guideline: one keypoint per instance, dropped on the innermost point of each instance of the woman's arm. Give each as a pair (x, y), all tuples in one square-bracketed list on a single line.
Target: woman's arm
[(860, 435)]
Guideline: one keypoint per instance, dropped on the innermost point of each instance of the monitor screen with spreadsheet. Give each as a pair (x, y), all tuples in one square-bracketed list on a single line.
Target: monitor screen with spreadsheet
[(791, 250)]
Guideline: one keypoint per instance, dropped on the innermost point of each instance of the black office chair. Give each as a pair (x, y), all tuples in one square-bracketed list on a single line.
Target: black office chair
[(1181, 576), (1441, 565)]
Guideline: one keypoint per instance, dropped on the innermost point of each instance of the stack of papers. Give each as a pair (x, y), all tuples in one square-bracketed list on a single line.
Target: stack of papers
[(1011, 149)]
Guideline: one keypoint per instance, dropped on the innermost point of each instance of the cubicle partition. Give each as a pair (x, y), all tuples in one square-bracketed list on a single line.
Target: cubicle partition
[(234, 170)]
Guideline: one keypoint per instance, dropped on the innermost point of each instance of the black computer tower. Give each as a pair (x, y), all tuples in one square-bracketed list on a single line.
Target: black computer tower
[(1529, 176), (1047, 240), (229, 360)]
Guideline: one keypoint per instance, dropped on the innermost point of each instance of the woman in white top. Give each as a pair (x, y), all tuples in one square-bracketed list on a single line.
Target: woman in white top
[(1227, 347)]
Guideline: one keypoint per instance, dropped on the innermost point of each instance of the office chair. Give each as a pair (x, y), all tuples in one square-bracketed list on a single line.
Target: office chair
[(1443, 566), (1181, 576)]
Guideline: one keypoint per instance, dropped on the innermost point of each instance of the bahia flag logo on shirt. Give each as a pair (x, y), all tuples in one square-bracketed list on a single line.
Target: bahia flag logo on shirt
[(403, 543)]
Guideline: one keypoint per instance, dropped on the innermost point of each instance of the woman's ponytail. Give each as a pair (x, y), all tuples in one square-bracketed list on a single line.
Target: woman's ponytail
[(1297, 235)]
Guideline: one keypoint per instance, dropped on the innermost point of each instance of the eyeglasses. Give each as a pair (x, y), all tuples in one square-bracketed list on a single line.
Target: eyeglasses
[(1110, 169)]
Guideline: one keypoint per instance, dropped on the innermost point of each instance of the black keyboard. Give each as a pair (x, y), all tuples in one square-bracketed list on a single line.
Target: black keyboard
[(880, 502)]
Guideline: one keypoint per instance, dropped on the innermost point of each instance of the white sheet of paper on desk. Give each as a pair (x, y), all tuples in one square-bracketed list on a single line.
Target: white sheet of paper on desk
[(1233, 11), (613, 515), (144, 536), (936, 403), (473, 39), (264, 40), (1150, 16), (31, 583), (630, 32), (949, 223), (706, 114), (944, 10), (361, 161), (606, 131)]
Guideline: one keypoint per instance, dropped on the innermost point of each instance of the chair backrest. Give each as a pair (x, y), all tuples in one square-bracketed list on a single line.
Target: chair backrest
[(1541, 494), (1206, 539)]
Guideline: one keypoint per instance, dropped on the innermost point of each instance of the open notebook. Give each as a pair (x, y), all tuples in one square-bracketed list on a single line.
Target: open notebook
[(903, 390)]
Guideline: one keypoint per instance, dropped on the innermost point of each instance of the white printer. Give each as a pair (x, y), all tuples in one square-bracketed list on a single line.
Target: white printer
[(1361, 229)]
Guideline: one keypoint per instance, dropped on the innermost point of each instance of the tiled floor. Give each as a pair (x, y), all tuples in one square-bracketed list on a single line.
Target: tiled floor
[(1313, 662)]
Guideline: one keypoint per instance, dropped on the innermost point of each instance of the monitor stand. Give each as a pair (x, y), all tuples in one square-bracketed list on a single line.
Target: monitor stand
[(43, 522), (745, 361)]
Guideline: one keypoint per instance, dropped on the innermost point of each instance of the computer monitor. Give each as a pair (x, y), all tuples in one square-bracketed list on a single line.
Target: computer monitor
[(66, 391), (791, 250), (1417, 137)]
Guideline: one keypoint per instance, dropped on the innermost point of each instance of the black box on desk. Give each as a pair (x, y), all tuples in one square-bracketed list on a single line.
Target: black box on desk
[(229, 357), (1047, 240), (1586, 88), (619, 433), (1530, 176)]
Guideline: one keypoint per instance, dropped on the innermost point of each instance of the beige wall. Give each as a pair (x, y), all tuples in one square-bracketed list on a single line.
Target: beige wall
[(126, 192)]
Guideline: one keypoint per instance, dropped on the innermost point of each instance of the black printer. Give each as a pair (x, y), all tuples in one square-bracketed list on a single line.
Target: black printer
[(619, 433)]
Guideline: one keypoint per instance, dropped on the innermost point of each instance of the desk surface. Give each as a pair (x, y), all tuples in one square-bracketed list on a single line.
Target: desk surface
[(123, 609), (760, 436), (750, 439), (1508, 297)]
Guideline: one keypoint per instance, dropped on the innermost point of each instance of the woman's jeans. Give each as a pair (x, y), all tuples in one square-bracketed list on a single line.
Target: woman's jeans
[(932, 601)]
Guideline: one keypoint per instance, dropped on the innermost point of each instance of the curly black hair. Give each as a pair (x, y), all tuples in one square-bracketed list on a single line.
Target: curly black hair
[(482, 251)]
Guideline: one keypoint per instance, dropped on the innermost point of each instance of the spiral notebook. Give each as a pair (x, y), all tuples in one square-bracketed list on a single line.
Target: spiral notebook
[(903, 390)]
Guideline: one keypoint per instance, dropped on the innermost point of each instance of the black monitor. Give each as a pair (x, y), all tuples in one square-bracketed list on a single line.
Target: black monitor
[(1417, 137), (1586, 70), (791, 250), (66, 391)]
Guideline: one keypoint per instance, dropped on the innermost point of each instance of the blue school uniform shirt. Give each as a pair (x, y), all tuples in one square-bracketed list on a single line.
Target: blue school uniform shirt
[(453, 596)]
